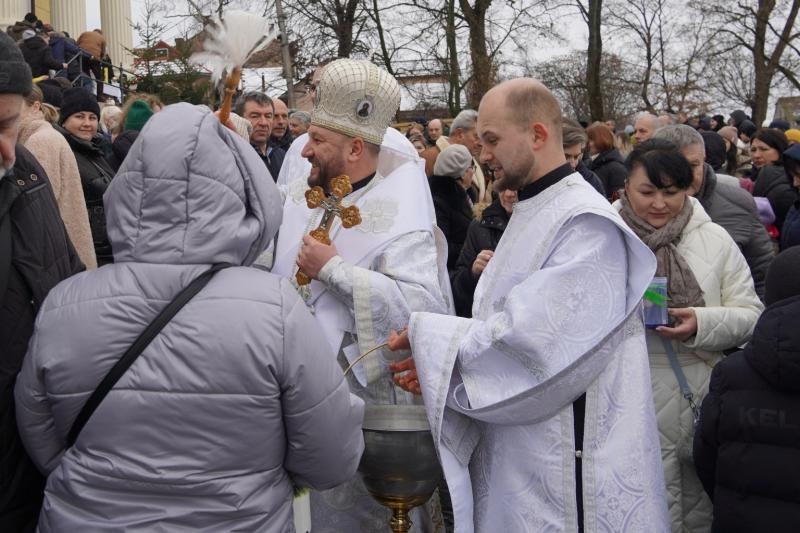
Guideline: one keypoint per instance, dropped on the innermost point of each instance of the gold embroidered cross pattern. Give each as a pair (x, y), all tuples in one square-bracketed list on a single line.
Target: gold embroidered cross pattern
[(332, 204)]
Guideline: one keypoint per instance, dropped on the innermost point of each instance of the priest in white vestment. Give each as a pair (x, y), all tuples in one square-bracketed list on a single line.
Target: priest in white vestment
[(540, 404), (373, 275)]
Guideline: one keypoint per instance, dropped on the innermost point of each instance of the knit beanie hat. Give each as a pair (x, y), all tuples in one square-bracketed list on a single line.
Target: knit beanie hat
[(748, 128), (793, 135), (453, 161), (51, 92), (782, 125), (76, 100), (15, 74), (738, 117), (782, 280), (138, 114)]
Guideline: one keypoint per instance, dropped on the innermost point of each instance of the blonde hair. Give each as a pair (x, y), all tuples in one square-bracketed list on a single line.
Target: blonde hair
[(50, 113)]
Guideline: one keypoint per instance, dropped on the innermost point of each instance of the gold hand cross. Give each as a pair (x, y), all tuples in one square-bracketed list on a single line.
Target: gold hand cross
[(350, 216)]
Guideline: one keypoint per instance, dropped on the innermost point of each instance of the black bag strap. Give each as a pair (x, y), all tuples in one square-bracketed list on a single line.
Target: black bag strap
[(138, 346)]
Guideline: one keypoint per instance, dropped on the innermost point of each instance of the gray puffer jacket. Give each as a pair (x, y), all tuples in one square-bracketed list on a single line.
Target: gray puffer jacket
[(236, 399)]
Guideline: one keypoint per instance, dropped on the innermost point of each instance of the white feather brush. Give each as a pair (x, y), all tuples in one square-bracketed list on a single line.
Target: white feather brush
[(229, 43)]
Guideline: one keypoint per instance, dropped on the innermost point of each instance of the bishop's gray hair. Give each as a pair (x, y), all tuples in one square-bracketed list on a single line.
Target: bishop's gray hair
[(302, 116), (466, 120), (680, 135)]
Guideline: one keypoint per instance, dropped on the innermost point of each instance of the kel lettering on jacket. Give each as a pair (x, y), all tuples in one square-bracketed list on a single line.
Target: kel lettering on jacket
[(768, 418)]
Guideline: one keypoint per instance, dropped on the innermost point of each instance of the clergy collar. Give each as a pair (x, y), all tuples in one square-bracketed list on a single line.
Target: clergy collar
[(551, 178), (363, 183)]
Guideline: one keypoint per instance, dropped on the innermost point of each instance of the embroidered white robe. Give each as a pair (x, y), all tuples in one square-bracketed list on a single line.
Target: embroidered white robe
[(390, 265), (557, 313)]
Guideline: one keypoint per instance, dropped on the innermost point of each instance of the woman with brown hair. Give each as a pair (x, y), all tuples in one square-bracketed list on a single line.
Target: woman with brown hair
[(606, 160)]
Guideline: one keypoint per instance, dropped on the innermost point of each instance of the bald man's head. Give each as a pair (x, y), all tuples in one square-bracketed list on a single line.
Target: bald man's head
[(528, 101), (519, 123)]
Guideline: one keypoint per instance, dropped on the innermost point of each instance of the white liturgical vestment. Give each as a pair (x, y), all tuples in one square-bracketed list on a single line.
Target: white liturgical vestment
[(557, 313), (390, 265)]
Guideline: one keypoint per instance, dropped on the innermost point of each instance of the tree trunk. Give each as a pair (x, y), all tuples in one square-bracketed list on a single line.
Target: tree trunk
[(453, 69), (594, 54), (482, 67)]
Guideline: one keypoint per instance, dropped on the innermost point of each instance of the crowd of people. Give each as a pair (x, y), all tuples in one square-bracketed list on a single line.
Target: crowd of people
[(600, 324)]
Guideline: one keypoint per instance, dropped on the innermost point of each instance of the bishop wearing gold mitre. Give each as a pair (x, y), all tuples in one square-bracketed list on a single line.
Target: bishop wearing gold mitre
[(373, 275)]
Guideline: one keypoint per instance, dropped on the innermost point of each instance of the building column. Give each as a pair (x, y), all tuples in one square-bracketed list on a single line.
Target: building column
[(12, 11), (115, 16), (69, 16)]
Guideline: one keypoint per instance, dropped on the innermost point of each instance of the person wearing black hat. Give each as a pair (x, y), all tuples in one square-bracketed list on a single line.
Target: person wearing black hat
[(37, 53), (717, 122), (748, 437), (80, 115), (35, 254)]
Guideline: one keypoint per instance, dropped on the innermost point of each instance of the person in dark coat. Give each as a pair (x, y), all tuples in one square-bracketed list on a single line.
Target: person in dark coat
[(573, 140), (37, 53), (790, 233), (78, 123), (64, 49), (717, 122), (35, 254), (748, 437), (771, 181), (29, 22), (728, 205), (716, 151), (737, 117), (452, 176), (606, 160), (482, 239), (120, 147)]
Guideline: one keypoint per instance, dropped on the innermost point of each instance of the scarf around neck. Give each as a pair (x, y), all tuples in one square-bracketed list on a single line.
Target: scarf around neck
[(683, 290)]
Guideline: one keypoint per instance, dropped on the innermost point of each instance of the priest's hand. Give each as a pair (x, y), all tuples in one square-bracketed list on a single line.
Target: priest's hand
[(398, 340), (314, 255), (408, 381), (685, 328), (480, 262)]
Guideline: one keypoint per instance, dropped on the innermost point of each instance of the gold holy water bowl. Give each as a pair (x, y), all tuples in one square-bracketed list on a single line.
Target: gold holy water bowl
[(400, 467)]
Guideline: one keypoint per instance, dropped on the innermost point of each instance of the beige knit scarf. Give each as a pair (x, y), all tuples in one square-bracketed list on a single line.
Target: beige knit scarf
[(682, 287)]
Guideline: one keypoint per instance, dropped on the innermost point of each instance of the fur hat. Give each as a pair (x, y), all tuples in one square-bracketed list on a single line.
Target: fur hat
[(138, 114), (782, 280), (356, 98), (15, 74), (76, 100), (453, 161)]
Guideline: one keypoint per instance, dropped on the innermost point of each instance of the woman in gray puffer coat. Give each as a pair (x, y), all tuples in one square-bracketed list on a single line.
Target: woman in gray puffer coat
[(233, 403)]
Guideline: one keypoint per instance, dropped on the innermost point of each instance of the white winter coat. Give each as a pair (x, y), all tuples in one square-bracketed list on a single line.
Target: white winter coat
[(727, 320)]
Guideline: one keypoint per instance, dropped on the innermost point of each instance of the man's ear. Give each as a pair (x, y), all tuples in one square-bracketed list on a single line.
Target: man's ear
[(356, 149), (539, 134)]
